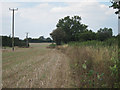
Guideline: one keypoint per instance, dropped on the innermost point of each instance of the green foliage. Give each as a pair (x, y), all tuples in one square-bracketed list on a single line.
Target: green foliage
[(85, 36), (71, 29), (86, 78), (96, 62), (71, 26), (40, 40), (118, 37), (52, 45), (58, 35), (104, 34), (84, 66), (116, 5), (7, 42), (48, 39), (90, 72), (94, 43), (115, 70), (99, 76)]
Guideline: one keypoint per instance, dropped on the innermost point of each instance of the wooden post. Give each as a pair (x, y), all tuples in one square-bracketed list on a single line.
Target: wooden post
[(12, 9)]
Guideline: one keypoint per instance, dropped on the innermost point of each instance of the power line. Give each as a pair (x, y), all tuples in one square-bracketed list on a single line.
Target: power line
[(13, 9)]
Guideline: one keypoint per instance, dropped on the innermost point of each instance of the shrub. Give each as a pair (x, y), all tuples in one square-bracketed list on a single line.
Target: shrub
[(52, 46)]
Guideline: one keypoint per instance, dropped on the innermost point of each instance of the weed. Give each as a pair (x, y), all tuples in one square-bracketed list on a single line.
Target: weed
[(93, 62)]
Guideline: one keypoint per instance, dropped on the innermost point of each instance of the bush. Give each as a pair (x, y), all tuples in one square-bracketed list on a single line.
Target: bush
[(52, 46), (7, 42)]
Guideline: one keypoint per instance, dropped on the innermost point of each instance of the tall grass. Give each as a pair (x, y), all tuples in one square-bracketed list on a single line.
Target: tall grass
[(91, 62), (94, 43)]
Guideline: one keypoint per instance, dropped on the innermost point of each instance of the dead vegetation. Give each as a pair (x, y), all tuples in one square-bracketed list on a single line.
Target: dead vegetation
[(36, 67), (91, 66), (63, 66)]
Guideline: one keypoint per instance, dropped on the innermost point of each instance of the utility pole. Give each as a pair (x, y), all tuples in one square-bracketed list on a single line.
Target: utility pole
[(27, 43), (13, 9)]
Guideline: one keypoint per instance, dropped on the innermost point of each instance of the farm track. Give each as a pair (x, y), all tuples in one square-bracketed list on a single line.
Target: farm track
[(48, 68)]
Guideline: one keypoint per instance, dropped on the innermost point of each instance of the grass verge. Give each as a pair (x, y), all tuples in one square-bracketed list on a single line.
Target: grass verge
[(93, 64)]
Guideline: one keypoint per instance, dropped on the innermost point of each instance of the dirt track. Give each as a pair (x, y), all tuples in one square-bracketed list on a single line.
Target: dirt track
[(46, 69)]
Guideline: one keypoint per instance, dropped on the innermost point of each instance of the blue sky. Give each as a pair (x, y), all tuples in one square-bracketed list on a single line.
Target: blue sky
[(40, 18)]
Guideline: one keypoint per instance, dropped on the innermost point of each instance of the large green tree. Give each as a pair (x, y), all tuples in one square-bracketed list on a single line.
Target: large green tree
[(71, 26), (58, 35)]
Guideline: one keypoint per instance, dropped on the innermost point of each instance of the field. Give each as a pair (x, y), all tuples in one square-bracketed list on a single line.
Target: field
[(74, 65), (35, 67)]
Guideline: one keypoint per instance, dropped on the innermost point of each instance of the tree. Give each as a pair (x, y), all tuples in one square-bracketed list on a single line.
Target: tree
[(48, 39), (41, 39), (71, 26), (104, 34), (116, 5), (86, 35), (7, 42), (58, 35)]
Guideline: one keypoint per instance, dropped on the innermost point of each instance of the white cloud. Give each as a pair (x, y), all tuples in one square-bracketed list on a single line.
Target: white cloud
[(41, 12), (53, 0), (93, 13), (42, 18), (37, 14), (6, 17), (6, 6)]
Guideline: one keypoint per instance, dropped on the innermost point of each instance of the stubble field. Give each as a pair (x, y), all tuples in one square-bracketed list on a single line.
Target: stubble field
[(35, 67)]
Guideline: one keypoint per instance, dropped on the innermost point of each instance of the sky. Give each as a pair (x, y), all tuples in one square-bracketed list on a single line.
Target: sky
[(40, 18)]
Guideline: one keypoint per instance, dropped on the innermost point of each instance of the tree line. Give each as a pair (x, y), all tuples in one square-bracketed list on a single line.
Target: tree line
[(7, 41), (71, 29), (41, 39)]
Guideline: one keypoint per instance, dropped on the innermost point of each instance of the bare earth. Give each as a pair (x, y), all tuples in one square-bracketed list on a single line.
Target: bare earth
[(35, 67)]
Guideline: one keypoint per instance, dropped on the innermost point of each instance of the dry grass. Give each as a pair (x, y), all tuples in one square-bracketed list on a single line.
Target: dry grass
[(96, 59), (38, 66), (35, 67)]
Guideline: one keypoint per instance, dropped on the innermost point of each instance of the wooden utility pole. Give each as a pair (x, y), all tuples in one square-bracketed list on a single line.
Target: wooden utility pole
[(13, 9), (27, 43)]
